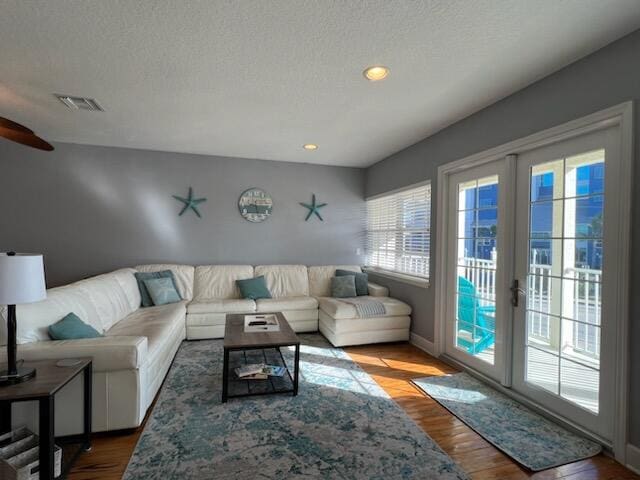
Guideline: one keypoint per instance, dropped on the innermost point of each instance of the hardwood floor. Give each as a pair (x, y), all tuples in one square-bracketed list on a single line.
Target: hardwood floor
[(392, 366)]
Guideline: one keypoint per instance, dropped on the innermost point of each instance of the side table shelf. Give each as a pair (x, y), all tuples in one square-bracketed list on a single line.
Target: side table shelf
[(50, 378)]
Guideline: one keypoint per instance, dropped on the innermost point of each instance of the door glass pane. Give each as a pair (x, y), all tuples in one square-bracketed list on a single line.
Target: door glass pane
[(543, 332), (582, 255), (546, 219), (579, 384), (581, 342), (541, 257), (476, 267), (546, 181), (564, 288), (543, 369), (544, 293), (582, 297)]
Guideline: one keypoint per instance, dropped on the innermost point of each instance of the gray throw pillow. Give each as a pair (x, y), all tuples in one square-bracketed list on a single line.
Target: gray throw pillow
[(362, 281), (343, 287)]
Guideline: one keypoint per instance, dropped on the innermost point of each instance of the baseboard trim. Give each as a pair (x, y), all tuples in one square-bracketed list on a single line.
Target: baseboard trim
[(423, 344), (633, 458)]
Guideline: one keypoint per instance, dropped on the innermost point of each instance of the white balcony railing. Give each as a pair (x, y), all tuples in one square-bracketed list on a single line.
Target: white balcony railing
[(582, 285)]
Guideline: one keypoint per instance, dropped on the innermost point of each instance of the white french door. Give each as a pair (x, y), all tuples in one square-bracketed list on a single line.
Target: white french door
[(478, 305), (566, 237), (530, 282)]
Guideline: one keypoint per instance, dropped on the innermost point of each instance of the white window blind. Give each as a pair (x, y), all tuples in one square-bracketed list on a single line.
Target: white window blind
[(398, 231)]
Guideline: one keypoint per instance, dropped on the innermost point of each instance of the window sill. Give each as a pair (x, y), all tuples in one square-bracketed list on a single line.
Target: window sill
[(399, 277)]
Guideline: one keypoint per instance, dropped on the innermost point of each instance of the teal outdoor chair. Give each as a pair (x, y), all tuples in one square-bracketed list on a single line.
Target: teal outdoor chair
[(471, 314)]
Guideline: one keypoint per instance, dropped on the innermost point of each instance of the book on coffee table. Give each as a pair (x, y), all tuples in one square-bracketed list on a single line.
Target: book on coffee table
[(259, 371), (250, 370)]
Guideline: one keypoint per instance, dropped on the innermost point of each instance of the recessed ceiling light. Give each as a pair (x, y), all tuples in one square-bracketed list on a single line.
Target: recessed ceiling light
[(310, 146), (375, 73)]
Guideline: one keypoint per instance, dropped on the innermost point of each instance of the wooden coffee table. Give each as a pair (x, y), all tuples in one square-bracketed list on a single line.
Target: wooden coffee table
[(242, 347)]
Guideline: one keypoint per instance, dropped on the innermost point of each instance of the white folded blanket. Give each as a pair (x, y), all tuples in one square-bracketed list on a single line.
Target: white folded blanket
[(367, 307)]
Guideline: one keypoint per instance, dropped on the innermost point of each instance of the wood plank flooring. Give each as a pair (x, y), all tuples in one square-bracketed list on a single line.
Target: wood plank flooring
[(392, 366)]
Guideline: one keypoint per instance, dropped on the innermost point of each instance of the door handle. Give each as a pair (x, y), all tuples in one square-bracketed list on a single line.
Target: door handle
[(516, 291)]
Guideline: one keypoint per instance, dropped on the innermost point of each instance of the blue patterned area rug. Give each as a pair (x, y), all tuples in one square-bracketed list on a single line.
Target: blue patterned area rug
[(525, 436), (342, 425)]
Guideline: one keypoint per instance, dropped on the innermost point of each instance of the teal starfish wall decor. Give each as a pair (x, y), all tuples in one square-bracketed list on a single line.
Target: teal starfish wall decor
[(313, 208), (190, 203)]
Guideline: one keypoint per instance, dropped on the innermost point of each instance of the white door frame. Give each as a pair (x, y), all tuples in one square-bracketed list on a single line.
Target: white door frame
[(621, 115)]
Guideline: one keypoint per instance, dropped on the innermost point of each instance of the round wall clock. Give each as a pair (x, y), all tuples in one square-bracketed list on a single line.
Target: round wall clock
[(255, 205)]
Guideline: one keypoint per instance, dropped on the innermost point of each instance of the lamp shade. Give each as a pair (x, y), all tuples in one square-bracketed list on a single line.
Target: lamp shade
[(21, 278)]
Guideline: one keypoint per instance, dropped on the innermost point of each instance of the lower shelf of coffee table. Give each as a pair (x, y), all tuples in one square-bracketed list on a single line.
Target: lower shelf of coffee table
[(271, 385)]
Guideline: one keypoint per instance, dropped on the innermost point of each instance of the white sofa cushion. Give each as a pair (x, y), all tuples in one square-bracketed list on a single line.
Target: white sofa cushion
[(33, 319), (339, 309), (282, 304), (159, 324), (183, 275), (112, 294), (320, 278), (108, 353), (285, 280), (219, 281), (206, 319), (129, 284), (222, 305)]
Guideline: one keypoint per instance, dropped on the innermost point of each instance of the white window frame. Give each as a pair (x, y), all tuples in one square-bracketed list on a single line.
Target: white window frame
[(405, 277)]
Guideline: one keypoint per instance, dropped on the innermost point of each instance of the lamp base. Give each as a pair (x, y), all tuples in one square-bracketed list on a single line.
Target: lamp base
[(23, 375)]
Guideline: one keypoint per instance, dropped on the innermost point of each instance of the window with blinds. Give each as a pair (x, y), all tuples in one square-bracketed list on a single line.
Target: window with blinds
[(398, 231)]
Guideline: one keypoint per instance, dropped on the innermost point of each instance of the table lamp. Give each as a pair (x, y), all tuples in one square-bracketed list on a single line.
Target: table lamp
[(21, 281)]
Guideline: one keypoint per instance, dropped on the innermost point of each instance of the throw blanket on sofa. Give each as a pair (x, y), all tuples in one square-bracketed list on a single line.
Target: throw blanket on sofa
[(367, 307)]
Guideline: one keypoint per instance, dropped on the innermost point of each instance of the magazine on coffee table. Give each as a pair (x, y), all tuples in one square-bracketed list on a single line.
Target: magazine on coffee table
[(259, 371), (261, 323)]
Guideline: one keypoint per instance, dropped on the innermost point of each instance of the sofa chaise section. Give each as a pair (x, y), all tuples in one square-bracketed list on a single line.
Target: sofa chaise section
[(339, 320)]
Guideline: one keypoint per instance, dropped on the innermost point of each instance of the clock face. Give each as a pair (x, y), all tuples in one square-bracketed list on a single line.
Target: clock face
[(255, 205)]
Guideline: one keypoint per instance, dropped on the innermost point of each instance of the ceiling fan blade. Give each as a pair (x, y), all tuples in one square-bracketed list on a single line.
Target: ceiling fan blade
[(28, 139), (6, 123)]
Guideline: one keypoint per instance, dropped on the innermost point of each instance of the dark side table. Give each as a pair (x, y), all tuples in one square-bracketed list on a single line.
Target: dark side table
[(49, 379)]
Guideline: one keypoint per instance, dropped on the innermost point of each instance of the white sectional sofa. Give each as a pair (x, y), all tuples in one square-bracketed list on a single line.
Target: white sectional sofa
[(132, 358)]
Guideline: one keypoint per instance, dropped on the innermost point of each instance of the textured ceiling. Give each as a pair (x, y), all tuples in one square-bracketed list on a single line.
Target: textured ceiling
[(258, 79)]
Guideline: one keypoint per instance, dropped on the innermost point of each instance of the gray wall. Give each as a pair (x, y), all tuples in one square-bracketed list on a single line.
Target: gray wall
[(93, 209), (603, 79)]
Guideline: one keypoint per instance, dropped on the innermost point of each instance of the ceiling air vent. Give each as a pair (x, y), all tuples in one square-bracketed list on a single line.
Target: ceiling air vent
[(79, 103)]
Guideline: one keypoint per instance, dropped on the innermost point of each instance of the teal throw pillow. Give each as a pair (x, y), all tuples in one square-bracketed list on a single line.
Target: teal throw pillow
[(254, 288), (362, 281), (162, 291), (343, 287), (72, 328), (147, 301)]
